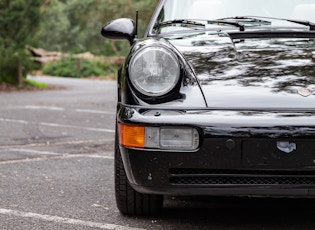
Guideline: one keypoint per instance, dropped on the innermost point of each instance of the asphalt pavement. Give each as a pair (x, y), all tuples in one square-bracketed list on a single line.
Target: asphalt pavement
[(56, 170)]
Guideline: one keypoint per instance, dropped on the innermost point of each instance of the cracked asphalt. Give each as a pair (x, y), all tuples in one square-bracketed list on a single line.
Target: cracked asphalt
[(56, 170)]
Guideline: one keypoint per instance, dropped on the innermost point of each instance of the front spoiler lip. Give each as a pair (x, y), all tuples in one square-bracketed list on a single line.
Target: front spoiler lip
[(228, 190)]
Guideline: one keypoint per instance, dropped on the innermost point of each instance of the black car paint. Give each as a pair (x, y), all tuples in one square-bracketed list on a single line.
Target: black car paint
[(240, 117), (254, 73), (244, 70), (122, 28)]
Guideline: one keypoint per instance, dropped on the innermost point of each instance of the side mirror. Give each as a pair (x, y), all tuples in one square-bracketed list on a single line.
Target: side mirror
[(123, 28)]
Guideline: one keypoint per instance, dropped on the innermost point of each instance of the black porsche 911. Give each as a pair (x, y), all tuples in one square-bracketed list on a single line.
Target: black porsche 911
[(217, 98)]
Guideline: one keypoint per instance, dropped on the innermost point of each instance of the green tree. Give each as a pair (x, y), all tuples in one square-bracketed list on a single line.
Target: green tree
[(54, 27), (18, 23), (74, 25), (63, 25)]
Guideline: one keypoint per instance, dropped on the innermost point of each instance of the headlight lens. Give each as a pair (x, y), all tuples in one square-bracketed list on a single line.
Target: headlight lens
[(154, 71)]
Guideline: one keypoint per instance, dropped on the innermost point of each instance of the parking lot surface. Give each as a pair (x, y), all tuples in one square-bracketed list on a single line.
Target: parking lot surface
[(56, 170)]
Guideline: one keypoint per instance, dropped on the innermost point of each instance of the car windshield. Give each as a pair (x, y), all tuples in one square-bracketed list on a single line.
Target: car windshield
[(243, 11)]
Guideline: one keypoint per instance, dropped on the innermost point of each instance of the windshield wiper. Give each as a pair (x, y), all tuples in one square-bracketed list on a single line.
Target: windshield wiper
[(196, 24), (222, 21), (305, 23), (247, 20), (300, 22), (182, 22)]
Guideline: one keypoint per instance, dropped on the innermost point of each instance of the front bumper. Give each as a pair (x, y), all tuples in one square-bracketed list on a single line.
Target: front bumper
[(237, 156)]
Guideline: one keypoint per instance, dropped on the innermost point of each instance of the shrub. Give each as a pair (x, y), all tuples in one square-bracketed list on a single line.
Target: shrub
[(71, 67)]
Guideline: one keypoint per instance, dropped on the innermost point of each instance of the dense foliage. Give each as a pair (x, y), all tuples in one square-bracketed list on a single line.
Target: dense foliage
[(74, 25), (19, 20), (71, 26), (73, 67)]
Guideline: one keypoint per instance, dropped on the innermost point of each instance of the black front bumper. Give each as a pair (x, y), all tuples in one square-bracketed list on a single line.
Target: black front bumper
[(238, 155)]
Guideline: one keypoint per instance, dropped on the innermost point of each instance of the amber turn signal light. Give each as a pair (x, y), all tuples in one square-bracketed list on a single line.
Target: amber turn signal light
[(132, 136)]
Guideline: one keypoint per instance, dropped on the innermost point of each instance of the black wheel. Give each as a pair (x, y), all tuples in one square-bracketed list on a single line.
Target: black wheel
[(128, 200)]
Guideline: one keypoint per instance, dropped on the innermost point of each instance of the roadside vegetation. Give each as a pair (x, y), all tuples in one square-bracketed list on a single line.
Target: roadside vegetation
[(65, 26), (19, 21), (79, 68)]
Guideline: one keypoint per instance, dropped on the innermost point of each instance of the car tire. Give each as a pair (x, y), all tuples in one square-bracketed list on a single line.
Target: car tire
[(128, 200)]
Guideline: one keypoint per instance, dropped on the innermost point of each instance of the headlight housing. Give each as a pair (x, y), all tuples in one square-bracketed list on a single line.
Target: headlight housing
[(164, 138), (154, 71)]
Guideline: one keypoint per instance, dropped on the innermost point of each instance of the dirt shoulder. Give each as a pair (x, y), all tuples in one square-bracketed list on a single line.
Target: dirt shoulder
[(7, 88)]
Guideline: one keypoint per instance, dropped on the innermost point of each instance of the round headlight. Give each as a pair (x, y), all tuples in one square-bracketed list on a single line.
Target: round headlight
[(154, 71)]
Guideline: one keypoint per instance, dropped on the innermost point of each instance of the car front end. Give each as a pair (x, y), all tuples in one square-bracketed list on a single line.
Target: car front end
[(219, 152), (221, 106)]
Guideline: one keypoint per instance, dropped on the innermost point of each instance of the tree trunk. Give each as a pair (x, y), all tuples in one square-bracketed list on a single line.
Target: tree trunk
[(114, 47), (20, 72)]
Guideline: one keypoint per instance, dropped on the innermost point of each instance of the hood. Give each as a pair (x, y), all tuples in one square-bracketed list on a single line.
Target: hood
[(255, 73)]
